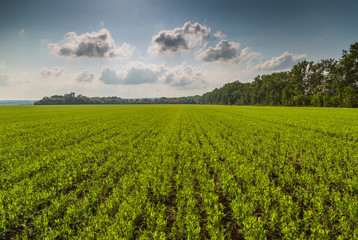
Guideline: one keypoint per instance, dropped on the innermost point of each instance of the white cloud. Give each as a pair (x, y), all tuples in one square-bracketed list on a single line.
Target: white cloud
[(184, 76), (4, 80), (85, 76), (219, 35), (181, 76), (286, 60), (225, 52), (45, 72), (48, 72), (134, 73), (181, 38), (92, 45), (125, 50), (57, 71)]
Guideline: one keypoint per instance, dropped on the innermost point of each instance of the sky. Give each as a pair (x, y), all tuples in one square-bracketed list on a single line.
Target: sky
[(161, 48)]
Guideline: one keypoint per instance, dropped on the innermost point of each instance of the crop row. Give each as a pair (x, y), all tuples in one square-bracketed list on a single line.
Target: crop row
[(176, 172)]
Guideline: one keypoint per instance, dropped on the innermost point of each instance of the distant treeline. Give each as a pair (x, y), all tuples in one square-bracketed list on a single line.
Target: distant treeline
[(71, 98), (328, 83), (16, 102)]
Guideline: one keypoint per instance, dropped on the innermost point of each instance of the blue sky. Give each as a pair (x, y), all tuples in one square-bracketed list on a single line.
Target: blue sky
[(143, 48)]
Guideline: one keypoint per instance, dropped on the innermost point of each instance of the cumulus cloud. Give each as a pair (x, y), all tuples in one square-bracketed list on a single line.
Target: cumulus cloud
[(57, 71), (181, 76), (135, 73), (45, 72), (48, 72), (4, 80), (225, 52), (85, 76), (92, 45), (181, 38), (219, 35), (284, 61)]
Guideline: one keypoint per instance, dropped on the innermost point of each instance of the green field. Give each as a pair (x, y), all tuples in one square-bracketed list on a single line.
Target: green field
[(178, 172)]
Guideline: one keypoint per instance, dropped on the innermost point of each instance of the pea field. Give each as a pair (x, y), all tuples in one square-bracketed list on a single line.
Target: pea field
[(178, 172)]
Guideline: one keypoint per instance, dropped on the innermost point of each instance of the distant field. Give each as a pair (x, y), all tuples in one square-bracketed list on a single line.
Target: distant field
[(178, 172)]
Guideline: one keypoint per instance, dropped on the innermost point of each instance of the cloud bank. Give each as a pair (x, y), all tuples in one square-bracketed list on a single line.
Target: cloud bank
[(91, 45), (48, 72), (85, 76), (182, 38), (225, 52), (286, 60), (181, 76)]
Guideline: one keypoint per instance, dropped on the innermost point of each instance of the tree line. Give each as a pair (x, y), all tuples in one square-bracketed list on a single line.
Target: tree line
[(328, 83), (72, 98)]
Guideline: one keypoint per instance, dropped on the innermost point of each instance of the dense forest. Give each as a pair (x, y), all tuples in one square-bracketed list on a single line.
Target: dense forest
[(328, 83)]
